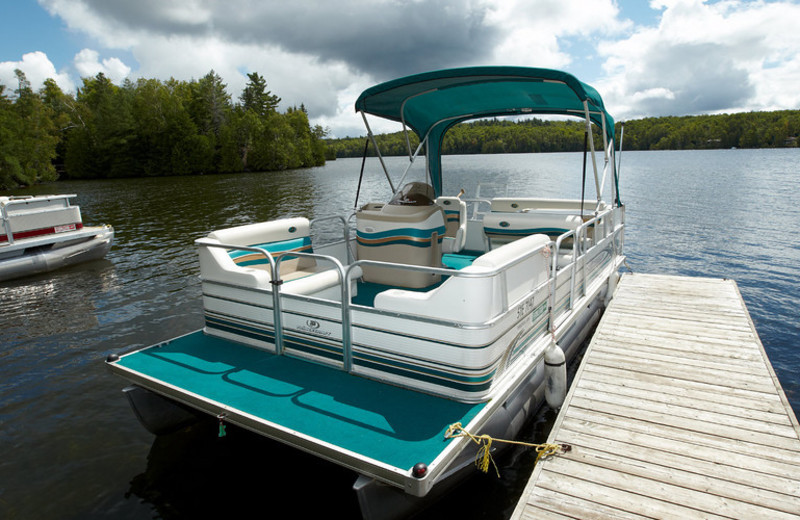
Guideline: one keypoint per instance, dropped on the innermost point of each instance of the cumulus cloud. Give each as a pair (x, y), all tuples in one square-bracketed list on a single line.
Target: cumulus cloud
[(705, 58), (37, 68), (88, 63), (385, 37), (699, 56), (319, 53), (538, 33)]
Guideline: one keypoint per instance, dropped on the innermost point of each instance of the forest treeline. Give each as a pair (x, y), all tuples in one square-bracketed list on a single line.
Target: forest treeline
[(149, 128), (742, 130), (152, 128)]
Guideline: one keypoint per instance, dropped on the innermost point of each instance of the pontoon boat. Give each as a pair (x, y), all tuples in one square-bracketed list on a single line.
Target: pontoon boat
[(429, 310), (45, 232)]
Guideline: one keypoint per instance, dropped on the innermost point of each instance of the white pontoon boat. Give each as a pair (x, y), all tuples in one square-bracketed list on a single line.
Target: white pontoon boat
[(45, 232), (427, 311)]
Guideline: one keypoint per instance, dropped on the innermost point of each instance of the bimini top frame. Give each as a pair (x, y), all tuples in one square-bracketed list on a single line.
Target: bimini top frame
[(432, 102)]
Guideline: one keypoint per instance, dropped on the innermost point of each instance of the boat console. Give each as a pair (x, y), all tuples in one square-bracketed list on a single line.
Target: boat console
[(408, 230)]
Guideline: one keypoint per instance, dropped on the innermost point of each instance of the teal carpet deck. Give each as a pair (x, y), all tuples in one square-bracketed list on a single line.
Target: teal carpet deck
[(389, 424)]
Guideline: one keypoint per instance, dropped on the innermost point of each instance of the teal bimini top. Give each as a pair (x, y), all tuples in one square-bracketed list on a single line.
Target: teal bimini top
[(432, 102)]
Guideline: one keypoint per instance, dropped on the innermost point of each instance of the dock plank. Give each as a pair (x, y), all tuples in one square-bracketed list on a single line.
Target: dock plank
[(675, 412)]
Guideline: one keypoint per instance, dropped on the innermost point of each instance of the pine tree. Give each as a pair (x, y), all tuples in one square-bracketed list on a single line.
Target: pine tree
[(257, 98)]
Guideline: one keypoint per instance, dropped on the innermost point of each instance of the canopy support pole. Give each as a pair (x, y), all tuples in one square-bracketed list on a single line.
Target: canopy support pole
[(591, 146), (607, 151), (361, 175), (377, 150), (408, 168), (583, 177)]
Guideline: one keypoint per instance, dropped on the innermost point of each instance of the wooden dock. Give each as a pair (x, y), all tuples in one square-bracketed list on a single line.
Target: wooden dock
[(675, 412)]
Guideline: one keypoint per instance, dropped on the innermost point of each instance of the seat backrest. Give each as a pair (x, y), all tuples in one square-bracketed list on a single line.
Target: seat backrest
[(241, 267), (455, 219), (478, 299), (501, 228), (278, 237)]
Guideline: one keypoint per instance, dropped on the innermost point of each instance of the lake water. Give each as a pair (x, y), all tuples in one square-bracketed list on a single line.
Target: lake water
[(72, 448)]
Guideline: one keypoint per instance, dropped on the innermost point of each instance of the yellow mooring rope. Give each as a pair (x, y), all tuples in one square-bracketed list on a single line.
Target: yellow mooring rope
[(484, 455)]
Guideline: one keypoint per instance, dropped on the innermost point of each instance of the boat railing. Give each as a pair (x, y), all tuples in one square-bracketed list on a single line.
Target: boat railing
[(25, 199), (603, 229), (345, 232), (275, 281), (6, 213), (455, 273), (349, 272), (476, 204)]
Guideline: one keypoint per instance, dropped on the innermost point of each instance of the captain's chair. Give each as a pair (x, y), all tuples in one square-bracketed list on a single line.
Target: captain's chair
[(455, 216)]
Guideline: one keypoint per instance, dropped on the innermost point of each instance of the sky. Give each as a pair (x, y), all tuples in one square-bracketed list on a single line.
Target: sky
[(656, 58)]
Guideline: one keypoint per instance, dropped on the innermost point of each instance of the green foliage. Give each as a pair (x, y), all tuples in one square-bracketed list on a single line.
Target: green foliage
[(744, 130), (481, 137), (27, 137), (149, 128), (777, 129), (153, 128), (256, 97)]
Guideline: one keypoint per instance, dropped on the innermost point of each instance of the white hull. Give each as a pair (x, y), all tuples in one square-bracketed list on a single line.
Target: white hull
[(43, 233), (92, 245), (379, 501)]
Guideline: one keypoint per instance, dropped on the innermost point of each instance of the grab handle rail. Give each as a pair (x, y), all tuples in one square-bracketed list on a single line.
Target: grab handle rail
[(580, 236), (345, 230), (275, 281), (574, 265), (344, 283)]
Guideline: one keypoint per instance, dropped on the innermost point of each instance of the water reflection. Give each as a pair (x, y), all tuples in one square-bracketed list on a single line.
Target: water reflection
[(193, 473)]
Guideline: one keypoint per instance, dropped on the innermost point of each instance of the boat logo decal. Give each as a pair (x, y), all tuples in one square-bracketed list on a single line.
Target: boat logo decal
[(312, 324), (312, 327)]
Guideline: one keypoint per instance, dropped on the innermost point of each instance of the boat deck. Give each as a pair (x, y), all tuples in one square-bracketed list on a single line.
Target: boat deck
[(675, 412), (299, 402)]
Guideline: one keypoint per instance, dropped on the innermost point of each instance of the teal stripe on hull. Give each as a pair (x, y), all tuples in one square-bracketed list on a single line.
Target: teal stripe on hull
[(425, 374), (333, 352), (525, 232), (303, 345)]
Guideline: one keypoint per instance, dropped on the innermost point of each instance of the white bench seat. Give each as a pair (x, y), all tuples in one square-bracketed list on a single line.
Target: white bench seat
[(477, 299), (300, 275)]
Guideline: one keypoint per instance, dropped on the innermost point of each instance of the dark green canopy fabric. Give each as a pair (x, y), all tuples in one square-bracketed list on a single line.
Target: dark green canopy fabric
[(432, 102)]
